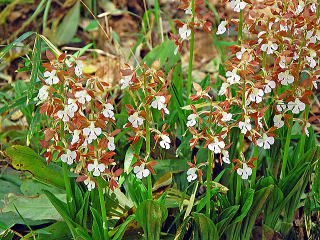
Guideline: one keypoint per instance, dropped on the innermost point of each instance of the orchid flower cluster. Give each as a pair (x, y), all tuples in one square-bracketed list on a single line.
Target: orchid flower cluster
[(149, 91), (81, 122), (196, 20), (272, 72)]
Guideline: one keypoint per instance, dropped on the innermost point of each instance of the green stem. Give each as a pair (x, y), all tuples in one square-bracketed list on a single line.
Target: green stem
[(189, 83), (157, 16), (148, 155), (286, 150), (208, 193), (103, 211), (240, 27), (254, 170), (241, 138), (238, 189), (303, 137), (70, 200)]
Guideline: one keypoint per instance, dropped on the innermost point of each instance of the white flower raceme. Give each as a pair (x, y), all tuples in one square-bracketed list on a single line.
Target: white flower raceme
[(256, 95), (188, 10), (91, 132), (296, 106), (259, 36), (315, 82), (111, 145), (296, 56), (82, 96), (78, 68), (125, 81), (283, 27), (269, 47), (159, 103), (50, 77), (135, 120), (245, 125), (265, 141), (43, 93), (277, 119), (259, 120), (165, 141), (192, 120), (66, 113), (223, 89), (300, 7), (69, 157), (282, 62), (313, 7), (216, 145), (233, 77), (311, 61), (245, 171), (269, 86), (281, 106), (238, 5), (75, 136), (96, 168), (312, 38), (141, 171), (192, 174), (222, 27), (225, 157), (72, 105), (184, 32), (241, 52), (226, 116), (285, 78), (108, 111), (90, 184)]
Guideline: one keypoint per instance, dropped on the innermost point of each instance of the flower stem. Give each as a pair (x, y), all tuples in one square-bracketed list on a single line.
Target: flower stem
[(189, 83), (254, 170), (103, 211), (208, 193), (240, 27), (286, 150), (303, 137), (148, 155), (70, 201)]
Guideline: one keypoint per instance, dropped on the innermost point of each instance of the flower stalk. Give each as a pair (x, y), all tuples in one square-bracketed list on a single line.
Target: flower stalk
[(189, 83), (208, 193), (103, 211)]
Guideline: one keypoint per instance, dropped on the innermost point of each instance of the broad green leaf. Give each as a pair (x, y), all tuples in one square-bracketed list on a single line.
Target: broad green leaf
[(150, 215), (191, 201), (260, 197), (6, 188), (225, 218), (33, 208), (136, 190), (69, 25), (97, 228), (165, 53), (62, 208), (30, 187), (208, 230), (121, 229), (24, 158), (130, 158), (247, 200)]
